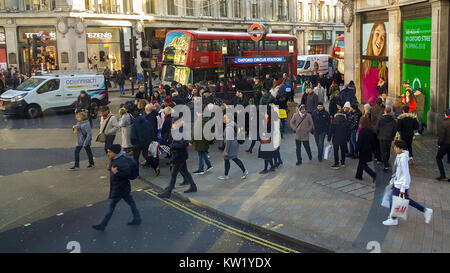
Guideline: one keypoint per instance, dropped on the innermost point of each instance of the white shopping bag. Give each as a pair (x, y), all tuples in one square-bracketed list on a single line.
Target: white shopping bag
[(327, 152), (153, 149), (399, 207), (386, 199)]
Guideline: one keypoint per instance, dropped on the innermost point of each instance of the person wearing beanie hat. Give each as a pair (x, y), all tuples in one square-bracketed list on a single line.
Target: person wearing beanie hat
[(120, 187), (347, 104), (321, 120), (443, 143)]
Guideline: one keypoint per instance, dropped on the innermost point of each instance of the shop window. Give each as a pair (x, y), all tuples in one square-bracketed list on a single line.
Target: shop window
[(49, 86)]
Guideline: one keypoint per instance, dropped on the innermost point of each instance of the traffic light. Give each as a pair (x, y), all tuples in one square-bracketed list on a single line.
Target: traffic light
[(134, 47), (37, 42), (146, 55)]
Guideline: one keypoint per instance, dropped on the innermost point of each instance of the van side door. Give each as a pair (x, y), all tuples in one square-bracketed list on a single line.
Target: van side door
[(49, 95)]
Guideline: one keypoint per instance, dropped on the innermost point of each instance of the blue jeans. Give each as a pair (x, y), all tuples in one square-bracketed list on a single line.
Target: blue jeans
[(412, 203), (282, 125), (112, 205), (353, 142), (320, 139), (122, 89), (203, 156)]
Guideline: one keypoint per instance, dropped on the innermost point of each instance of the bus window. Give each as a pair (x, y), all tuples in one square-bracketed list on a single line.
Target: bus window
[(217, 45), (270, 45), (204, 45), (283, 45)]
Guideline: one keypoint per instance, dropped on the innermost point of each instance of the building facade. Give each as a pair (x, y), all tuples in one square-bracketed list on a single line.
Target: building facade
[(399, 40), (96, 33)]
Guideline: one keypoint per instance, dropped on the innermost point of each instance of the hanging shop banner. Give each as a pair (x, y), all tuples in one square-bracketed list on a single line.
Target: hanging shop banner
[(375, 45), (417, 47), (417, 39)]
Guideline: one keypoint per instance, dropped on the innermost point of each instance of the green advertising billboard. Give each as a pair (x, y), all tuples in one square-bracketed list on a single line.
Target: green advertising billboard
[(417, 39), (417, 46)]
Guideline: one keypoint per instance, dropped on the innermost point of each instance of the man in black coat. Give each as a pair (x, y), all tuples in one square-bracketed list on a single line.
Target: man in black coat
[(151, 116), (339, 133), (120, 188), (268, 82), (335, 104), (365, 148), (354, 115), (348, 94), (178, 158), (387, 127), (406, 124), (443, 143), (321, 120)]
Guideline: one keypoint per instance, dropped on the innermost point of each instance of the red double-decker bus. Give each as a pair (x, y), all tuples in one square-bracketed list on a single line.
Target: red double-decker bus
[(338, 55), (194, 56)]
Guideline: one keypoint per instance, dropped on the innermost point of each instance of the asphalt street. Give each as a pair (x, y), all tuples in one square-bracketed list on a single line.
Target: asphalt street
[(44, 207)]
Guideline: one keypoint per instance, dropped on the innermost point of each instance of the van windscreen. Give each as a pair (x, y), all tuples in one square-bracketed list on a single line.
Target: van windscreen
[(300, 64), (29, 84)]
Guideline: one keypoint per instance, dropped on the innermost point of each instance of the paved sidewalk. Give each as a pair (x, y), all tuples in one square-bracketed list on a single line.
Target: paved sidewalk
[(315, 204)]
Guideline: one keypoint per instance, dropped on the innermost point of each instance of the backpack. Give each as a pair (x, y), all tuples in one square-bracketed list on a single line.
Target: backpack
[(134, 168)]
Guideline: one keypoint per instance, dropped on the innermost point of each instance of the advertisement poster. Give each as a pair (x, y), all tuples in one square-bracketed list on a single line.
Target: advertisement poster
[(417, 46), (375, 44)]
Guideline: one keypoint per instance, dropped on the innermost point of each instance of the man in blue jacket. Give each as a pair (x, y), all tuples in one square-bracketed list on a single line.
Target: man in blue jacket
[(120, 188)]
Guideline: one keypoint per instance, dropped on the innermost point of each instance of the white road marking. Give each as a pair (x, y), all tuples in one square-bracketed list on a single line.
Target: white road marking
[(60, 214), (26, 171), (102, 177), (26, 225), (20, 198), (49, 167), (90, 205), (139, 190)]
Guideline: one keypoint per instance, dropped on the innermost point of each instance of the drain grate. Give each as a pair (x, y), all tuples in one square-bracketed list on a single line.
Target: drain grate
[(347, 186)]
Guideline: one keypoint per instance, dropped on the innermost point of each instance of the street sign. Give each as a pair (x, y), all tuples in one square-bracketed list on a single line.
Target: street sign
[(45, 36), (257, 32), (251, 60)]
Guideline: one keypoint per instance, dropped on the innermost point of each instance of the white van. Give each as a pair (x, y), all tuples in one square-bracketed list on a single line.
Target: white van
[(57, 90), (312, 64)]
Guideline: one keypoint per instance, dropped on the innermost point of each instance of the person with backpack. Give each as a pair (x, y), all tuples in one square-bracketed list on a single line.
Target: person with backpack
[(340, 134), (122, 170)]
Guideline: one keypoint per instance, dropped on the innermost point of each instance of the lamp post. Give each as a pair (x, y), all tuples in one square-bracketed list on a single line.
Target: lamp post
[(224, 61)]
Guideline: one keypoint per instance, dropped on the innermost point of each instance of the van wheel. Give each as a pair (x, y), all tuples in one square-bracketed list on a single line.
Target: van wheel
[(33, 111)]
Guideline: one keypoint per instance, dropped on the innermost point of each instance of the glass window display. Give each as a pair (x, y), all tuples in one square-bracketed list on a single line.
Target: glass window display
[(104, 49)]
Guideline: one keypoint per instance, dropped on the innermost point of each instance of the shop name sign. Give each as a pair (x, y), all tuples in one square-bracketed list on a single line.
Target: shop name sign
[(30, 35), (251, 60), (100, 35)]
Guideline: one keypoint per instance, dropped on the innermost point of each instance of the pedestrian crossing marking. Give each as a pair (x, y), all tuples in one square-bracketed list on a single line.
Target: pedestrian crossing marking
[(277, 227)]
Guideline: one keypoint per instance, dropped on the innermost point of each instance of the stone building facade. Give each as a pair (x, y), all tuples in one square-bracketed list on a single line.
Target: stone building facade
[(400, 40), (95, 33)]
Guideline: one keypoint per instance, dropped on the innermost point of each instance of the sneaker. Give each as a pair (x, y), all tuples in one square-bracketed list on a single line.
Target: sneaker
[(342, 165), (298, 163), (428, 214), (223, 177), (134, 222), (335, 167), (99, 227), (417, 134), (390, 222), (244, 175), (386, 169), (271, 170), (91, 166), (263, 172), (440, 178), (199, 172), (210, 168), (74, 168)]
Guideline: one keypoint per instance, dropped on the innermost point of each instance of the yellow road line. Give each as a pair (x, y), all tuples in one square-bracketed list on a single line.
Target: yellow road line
[(221, 225)]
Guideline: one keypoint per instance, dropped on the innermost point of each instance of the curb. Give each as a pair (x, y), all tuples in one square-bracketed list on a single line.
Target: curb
[(242, 222)]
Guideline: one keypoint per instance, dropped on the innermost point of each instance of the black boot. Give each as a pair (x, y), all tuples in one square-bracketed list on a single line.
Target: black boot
[(165, 194), (191, 189)]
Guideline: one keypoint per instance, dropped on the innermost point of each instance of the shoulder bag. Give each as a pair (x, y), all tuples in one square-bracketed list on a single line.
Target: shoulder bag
[(102, 137)]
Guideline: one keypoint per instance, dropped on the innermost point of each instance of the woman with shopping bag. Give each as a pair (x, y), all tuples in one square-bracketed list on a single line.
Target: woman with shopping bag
[(401, 183)]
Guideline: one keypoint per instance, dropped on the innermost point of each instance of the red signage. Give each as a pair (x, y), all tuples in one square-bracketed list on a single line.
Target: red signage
[(45, 36), (257, 32)]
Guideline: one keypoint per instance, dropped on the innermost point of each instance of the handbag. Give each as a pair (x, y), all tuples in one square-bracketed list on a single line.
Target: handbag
[(399, 207), (386, 199), (102, 137), (327, 152)]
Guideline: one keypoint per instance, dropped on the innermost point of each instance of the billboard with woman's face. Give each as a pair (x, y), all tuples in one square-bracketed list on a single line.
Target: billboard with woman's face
[(375, 68)]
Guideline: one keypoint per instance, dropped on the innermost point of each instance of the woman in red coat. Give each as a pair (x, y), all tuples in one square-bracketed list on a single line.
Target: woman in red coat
[(408, 98)]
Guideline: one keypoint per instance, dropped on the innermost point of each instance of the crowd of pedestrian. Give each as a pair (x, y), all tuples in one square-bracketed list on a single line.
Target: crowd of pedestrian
[(10, 79), (145, 126)]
